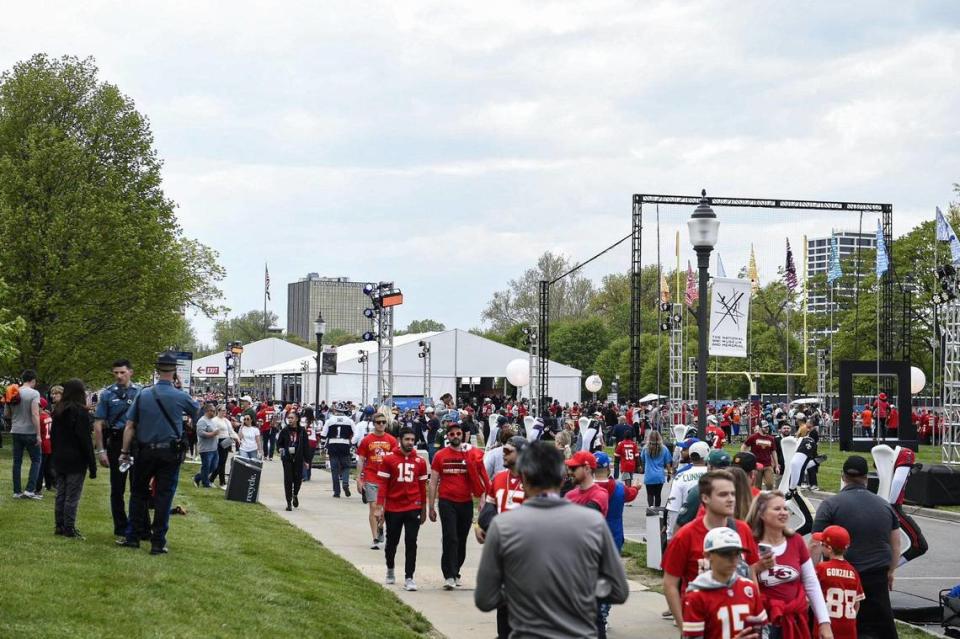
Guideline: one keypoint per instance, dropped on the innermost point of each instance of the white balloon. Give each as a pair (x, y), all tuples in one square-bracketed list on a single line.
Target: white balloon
[(518, 372), (594, 383), (917, 380)]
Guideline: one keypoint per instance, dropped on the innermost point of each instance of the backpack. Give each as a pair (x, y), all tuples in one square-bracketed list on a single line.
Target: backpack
[(12, 394)]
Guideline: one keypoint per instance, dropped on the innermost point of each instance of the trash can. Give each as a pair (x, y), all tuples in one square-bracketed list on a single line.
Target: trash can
[(244, 481)]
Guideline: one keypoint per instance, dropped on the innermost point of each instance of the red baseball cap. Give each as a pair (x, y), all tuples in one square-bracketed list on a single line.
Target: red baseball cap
[(836, 537), (581, 458)]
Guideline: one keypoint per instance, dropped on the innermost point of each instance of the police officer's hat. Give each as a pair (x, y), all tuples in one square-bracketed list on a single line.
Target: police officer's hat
[(166, 361)]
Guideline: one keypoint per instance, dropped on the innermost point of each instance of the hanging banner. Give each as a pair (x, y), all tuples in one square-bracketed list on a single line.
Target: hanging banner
[(328, 363), (729, 314)]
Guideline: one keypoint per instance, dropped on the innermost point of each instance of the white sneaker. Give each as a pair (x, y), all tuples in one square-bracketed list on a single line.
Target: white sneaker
[(457, 582), (18, 495), (28, 495), (375, 545), (450, 584), (409, 584), (390, 580)]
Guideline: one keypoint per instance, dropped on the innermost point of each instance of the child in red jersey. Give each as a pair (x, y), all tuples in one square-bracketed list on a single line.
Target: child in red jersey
[(719, 603), (839, 581), (627, 453)]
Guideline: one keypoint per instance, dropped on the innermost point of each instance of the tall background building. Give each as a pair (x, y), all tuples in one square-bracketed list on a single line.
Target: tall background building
[(341, 301), (818, 262)]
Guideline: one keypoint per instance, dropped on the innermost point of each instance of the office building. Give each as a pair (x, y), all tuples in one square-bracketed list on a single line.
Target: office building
[(341, 301), (818, 261)]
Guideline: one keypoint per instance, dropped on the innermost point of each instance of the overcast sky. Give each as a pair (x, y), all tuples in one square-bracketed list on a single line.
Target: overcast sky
[(445, 145)]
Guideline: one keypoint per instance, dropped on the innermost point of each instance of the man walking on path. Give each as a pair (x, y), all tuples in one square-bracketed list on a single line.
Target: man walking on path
[(110, 419), (519, 570), (370, 453), (337, 434), (402, 503), (24, 417), (450, 482)]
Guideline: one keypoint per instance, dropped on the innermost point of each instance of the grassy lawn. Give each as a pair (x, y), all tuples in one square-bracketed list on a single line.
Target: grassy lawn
[(635, 561), (233, 570)]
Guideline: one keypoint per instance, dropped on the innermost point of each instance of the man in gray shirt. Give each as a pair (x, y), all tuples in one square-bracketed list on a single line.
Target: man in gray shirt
[(25, 428), (207, 432), (519, 567)]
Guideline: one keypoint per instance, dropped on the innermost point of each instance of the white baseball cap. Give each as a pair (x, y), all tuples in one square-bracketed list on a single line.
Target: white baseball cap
[(700, 448), (429, 409), (246, 398), (722, 538)]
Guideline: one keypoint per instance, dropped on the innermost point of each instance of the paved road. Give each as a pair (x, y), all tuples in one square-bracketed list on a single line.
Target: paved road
[(918, 581)]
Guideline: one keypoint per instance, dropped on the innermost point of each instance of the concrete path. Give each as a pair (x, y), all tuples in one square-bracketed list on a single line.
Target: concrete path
[(341, 526)]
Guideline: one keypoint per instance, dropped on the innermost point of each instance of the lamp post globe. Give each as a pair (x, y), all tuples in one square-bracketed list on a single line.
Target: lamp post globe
[(704, 228), (319, 328)]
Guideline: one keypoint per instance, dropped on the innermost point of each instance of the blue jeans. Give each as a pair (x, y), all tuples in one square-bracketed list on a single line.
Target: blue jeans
[(28, 442), (208, 462), (248, 454), (340, 471)]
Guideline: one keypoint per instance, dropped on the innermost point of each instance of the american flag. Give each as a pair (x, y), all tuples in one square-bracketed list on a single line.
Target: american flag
[(692, 294), (266, 281), (790, 274)]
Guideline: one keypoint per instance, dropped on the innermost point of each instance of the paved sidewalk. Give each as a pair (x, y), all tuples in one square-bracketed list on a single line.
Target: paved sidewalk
[(341, 526)]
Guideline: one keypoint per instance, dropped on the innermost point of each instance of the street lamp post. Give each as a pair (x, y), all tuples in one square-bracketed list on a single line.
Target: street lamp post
[(319, 328), (703, 227)]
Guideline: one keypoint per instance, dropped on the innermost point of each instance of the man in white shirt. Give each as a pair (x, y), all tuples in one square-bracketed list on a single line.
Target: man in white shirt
[(684, 481)]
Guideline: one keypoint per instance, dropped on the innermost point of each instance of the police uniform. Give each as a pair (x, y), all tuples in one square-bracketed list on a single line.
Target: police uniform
[(157, 413), (112, 408)]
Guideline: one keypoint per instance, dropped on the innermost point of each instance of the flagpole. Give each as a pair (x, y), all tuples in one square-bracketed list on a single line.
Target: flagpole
[(936, 339), (266, 271), (659, 304)]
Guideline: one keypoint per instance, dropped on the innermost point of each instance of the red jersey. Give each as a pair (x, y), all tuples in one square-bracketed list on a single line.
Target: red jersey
[(264, 419), (841, 590), (720, 613), (763, 447), (373, 448), (628, 452), (684, 555), (451, 464), (403, 482), (596, 494), (506, 491), (719, 437), (46, 423), (784, 581)]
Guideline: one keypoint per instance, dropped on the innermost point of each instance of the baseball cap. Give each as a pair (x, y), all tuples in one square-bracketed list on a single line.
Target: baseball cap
[(428, 409), (603, 459), (500, 420), (836, 537), (701, 449), (855, 466), (452, 416), (722, 538), (581, 458), (718, 459), (745, 460), (246, 398)]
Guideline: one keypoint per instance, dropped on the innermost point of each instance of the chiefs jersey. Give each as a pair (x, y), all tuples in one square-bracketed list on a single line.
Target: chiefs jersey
[(841, 590), (720, 613), (627, 451), (403, 482), (506, 491), (373, 448)]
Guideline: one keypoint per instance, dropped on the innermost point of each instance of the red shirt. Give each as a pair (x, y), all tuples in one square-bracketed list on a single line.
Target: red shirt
[(46, 422), (719, 437), (841, 590), (403, 482), (596, 494), (506, 491), (784, 581), (451, 464), (373, 448), (721, 613), (762, 447), (628, 452), (264, 419), (684, 556)]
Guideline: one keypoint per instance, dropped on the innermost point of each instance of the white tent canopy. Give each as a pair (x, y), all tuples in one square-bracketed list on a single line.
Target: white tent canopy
[(456, 357), (256, 355), (651, 397)]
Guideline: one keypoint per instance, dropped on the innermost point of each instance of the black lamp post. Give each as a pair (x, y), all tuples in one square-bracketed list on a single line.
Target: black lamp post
[(319, 328), (703, 227)]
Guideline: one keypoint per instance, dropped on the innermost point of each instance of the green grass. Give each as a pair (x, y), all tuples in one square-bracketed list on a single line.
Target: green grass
[(233, 570), (635, 561)]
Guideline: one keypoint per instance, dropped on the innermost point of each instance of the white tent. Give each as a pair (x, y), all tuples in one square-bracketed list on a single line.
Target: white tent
[(456, 358), (256, 355)]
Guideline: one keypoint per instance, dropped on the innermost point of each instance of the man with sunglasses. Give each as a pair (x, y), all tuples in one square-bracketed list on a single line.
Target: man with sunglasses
[(450, 481), (370, 454)]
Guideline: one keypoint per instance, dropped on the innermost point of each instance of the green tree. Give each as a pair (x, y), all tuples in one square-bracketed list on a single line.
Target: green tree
[(577, 343), (11, 328), (339, 337), (246, 328), (99, 266), (422, 326)]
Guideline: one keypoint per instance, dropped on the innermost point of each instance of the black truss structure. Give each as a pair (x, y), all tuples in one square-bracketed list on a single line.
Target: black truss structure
[(887, 335), (543, 360)]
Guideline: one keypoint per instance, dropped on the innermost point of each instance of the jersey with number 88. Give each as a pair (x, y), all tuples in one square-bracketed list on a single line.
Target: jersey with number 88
[(842, 591)]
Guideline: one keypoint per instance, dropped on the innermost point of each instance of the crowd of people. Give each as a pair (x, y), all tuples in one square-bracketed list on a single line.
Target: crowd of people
[(732, 566)]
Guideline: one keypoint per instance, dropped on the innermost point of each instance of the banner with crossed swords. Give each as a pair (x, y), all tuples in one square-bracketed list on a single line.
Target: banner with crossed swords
[(729, 316)]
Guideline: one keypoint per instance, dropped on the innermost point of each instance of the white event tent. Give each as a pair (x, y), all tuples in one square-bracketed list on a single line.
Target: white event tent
[(256, 355), (457, 358)]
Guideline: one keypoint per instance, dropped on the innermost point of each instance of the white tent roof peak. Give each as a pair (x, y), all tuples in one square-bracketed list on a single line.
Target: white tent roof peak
[(260, 354)]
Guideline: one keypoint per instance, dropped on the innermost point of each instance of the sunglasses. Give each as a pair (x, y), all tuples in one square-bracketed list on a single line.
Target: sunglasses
[(380, 421)]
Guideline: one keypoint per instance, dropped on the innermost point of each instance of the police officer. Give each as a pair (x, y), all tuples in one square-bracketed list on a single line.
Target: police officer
[(155, 423), (110, 419)]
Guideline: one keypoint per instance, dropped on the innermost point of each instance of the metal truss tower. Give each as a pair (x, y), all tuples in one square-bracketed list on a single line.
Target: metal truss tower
[(691, 379), (822, 376), (950, 325), (533, 350), (385, 356), (543, 359), (364, 360), (676, 361)]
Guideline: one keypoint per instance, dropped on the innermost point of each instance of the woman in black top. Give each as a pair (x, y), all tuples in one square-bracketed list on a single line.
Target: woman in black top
[(72, 453), (292, 444)]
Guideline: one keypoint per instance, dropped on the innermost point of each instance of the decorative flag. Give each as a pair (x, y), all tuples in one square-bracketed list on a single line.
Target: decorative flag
[(834, 272), (692, 293), (266, 281), (883, 261), (664, 289), (752, 272), (721, 272), (790, 273), (945, 234)]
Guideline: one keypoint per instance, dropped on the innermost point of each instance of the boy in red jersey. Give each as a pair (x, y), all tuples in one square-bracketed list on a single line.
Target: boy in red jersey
[(627, 453), (839, 581), (370, 453), (402, 502), (719, 603)]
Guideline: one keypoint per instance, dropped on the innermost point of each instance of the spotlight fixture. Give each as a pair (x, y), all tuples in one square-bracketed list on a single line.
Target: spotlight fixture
[(369, 313), (665, 307), (369, 336)]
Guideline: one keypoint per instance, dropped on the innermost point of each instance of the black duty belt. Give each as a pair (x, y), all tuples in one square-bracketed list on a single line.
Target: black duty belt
[(161, 446)]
